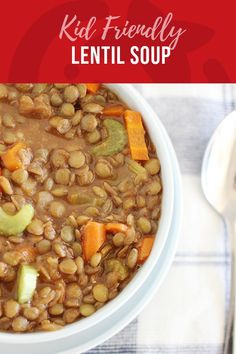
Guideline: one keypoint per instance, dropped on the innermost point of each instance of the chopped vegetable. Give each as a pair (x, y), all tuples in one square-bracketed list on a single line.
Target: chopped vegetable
[(27, 281), (93, 238), (114, 110), (116, 140), (135, 167), (11, 159), (116, 227), (145, 249), (136, 134), (114, 265), (27, 251), (93, 88), (15, 224)]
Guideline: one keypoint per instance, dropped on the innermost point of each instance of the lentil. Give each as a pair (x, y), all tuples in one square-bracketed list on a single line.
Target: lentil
[(95, 259), (144, 225), (103, 169), (87, 310), (67, 110), (62, 176), (67, 234), (31, 313), (132, 258), (94, 136), (68, 266), (5, 185), (19, 176), (76, 159), (57, 209), (118, 239), (35, 227), (56, 309), (73, 291), (44, 246), (71, 93), (56, 99), (100, 293), (11, 308), (20, 324), (8, 120), (89, 123), (71, 315)]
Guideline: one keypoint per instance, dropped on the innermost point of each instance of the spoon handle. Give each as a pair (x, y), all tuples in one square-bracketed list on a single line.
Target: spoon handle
[(231, 318)]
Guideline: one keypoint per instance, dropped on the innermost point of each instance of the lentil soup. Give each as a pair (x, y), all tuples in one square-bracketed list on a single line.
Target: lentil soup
[(80, 201)]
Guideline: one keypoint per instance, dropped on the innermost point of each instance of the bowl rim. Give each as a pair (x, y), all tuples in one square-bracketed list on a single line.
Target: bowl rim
[(155, 127)]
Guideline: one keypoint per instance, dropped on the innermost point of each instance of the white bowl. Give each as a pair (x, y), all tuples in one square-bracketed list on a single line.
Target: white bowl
[(160, 139)]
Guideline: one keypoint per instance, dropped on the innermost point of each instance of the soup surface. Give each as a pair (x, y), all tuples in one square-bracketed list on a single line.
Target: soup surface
[(80, 200)]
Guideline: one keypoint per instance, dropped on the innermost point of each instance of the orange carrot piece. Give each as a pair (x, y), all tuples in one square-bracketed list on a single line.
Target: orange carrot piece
[(116, 227), (92, 88), (93, 238), (116, 110), (145, 249), (27, 251), (11, 159), (136, 134)]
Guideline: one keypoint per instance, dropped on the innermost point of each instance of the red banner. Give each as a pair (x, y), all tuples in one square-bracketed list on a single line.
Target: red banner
[(114, 41)]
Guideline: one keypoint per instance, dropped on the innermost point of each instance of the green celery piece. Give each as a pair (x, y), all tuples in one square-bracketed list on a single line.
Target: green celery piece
[(116, 140), (27, 282), (15, 224), (135, 167)]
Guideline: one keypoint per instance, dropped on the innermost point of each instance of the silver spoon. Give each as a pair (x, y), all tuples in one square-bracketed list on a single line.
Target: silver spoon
[(219, 187)]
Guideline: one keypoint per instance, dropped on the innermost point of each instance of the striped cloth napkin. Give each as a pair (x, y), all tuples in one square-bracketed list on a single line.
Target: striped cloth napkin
[(187, 314)]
